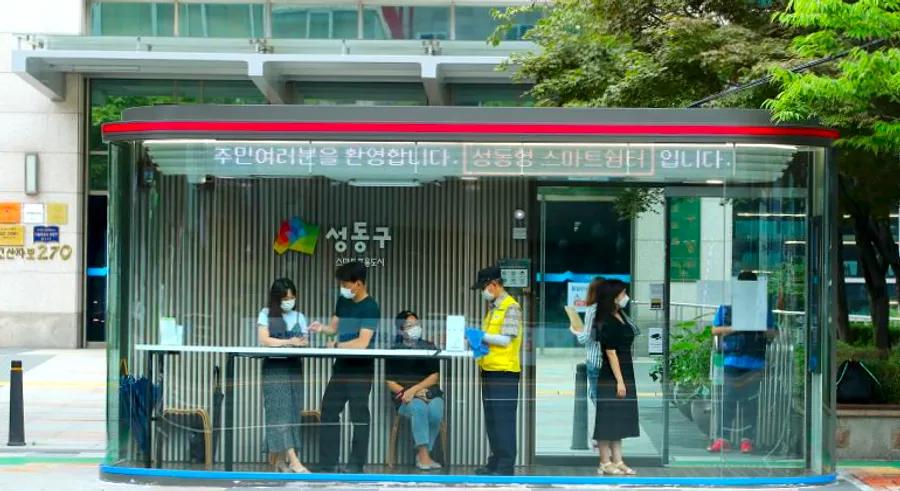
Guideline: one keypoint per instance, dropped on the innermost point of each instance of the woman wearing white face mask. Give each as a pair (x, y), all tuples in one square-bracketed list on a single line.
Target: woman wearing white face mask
[(281, 325), (414, 384), (617, 407)]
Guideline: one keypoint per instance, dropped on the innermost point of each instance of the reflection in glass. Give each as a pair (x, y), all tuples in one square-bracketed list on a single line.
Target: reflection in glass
[(407, 23), (214, 20), (477, 23), (132, 19), (315, 22)]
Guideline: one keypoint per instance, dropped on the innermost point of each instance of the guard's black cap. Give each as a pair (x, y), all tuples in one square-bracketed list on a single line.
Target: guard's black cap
[(486, 276)]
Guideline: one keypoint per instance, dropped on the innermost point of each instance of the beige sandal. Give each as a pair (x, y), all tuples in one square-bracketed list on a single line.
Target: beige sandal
[(628, 471), (609, 469), (298, 469)]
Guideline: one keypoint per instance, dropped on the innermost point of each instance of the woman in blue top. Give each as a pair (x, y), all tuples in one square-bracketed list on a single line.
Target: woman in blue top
[(281, 325)]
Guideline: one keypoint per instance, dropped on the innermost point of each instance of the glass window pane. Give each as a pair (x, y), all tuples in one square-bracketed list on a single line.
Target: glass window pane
[(407, 23), (474, 23), (315, 22), (221, 20), (231, 92), (490, 95), (110, 97), (98, 172), (362, 94), (477, 23), (132, 19), (95, 139)]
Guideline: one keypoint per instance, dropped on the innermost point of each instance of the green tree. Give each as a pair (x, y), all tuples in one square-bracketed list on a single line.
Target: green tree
[(859, 94), (648, 53)]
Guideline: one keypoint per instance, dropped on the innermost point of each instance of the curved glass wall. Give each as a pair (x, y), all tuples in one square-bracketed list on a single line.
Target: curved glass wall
[(725, 372)]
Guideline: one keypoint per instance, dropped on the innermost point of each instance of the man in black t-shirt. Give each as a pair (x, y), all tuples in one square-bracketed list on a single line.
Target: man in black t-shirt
[(355, 322), (414, 384)]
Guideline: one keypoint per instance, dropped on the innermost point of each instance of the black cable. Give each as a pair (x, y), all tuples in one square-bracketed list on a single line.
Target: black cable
[(797, 69)]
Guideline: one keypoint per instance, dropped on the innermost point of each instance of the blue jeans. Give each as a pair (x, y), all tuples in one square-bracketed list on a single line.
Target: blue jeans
[(425, 420), (593, 373)]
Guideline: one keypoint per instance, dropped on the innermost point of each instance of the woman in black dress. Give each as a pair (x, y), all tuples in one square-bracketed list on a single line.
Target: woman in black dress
[(617, 408)]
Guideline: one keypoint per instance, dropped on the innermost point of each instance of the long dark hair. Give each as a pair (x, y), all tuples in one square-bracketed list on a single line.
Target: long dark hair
[(607, 291), (280, 288), (593, 291)]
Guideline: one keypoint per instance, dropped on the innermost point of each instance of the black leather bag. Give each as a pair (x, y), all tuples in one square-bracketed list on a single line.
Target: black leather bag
[(856, 384)]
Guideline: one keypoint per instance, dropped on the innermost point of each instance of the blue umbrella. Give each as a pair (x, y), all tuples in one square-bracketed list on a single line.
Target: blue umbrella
[(135, 407)]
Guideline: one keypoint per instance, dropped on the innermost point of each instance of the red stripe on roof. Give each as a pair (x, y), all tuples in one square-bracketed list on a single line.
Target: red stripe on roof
[(212, 127)]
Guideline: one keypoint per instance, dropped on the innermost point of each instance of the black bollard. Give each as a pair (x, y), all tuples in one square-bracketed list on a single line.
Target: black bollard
[(16, 409), (579, 414)]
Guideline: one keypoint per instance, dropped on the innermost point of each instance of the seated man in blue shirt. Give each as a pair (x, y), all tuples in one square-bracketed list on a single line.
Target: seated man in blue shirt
[(744, 363)]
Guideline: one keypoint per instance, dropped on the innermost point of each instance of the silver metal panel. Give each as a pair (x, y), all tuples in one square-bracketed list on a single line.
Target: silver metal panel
[(203, 254)]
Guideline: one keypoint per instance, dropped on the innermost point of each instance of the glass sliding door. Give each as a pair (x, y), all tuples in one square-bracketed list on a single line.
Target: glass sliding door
[(582, 237)]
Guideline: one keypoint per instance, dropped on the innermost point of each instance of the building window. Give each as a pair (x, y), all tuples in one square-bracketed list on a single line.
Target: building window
[(490, 95), (477, 23), (132, 19), (108, 98), (407, 23), (360, 94), (301, 20), (216, 20), (315, 21)]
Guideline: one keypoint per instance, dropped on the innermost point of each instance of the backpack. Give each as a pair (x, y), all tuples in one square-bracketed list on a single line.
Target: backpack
[(856, 384)]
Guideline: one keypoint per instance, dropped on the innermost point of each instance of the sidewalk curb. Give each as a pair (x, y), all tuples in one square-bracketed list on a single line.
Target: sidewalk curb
[(44, 459)]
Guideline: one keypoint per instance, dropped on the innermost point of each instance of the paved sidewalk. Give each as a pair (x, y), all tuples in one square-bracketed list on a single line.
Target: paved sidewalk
[(64, 394), (876, 476)]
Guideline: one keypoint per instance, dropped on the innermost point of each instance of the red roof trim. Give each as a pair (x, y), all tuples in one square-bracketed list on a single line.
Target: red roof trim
[(137, 127)]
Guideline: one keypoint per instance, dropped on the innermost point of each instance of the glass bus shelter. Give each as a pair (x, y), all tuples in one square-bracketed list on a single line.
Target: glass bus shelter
[(210, 204)]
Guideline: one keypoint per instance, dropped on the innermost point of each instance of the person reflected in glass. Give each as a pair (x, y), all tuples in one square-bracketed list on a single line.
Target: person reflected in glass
[(617, 405), (744, 363), (355, 321), (414, 385), (585, 337), (282, 325)]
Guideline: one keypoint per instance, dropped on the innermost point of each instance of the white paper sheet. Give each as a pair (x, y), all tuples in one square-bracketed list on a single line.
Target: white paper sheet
[(749, 305), (169, 332), (455, 333)]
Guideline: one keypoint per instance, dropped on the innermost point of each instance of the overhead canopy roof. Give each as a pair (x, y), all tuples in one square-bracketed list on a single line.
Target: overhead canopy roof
[(43, 61), (406, 145)]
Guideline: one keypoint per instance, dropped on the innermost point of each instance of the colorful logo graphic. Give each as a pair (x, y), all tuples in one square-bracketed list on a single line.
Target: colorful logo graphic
[(296, 235)]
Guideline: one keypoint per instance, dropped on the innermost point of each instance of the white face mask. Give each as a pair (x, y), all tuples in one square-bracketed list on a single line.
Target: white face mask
[(413, 333), (487, 295), (623, 302), (346, 293), (287, 305)]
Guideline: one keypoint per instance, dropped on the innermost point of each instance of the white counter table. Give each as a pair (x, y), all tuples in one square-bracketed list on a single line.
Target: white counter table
[(156, 358)]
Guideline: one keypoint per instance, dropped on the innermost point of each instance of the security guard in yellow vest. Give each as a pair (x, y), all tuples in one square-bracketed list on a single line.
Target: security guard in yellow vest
[(500, 370)]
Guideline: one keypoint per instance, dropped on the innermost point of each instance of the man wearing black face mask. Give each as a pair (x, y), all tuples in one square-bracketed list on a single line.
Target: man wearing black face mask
[(354, 322), (413, 382)]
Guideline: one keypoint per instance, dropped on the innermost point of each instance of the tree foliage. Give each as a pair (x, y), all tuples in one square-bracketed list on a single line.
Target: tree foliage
[(859, 94), (648, 53)]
